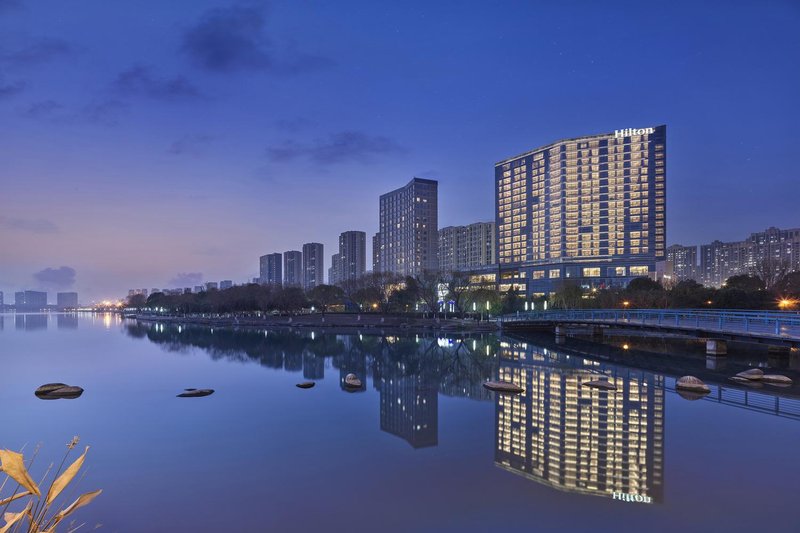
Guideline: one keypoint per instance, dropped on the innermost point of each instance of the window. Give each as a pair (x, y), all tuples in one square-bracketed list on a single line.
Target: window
[(619, 271), (537, 274), (555, 273), (638, 271), (593, 272)]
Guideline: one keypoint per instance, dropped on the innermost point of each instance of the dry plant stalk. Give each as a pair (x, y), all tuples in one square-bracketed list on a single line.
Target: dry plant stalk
[(40, 514)]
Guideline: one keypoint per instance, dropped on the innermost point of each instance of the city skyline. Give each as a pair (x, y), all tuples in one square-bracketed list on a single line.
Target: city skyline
[(164, 150)]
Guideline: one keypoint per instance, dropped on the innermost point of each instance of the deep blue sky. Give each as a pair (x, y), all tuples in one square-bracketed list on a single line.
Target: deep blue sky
[(141, 140)]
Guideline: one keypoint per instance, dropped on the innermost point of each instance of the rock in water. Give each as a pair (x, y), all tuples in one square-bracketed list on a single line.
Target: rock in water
[(49, 387), (196, 393), (691, 395), (503, 386), (57, 391), (745, 381), (352, 381), (600, 384), (776, 379), (306, 384), (752, 374), (691, 383)]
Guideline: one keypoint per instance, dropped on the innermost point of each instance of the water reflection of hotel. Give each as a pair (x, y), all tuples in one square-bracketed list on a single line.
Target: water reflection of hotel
[(577, 438), (409, 405)]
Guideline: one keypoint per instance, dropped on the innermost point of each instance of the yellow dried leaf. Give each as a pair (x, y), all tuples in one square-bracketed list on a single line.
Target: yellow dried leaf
[(64, 479), (13, 518), (15, 497), (83, 499), (13, 464)]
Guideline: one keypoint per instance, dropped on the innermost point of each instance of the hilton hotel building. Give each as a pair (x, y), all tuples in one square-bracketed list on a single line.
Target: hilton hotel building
[(590, 209)]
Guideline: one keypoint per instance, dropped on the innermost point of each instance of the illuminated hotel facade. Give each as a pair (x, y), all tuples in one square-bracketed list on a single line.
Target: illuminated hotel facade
[(589, 209), (580, 439)]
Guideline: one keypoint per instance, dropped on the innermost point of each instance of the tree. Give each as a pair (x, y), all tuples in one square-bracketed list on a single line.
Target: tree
[(644, 284), (324, 296), (568, 295), (770, 269), (427, 283), (457, 284), (745, 283), (688, 294), (512, 301), (789, 285), (136, 301)]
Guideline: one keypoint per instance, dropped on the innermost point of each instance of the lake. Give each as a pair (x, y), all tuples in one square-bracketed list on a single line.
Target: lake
[(421, 446)]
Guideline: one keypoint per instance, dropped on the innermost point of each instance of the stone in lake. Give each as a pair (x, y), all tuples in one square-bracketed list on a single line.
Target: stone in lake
[(776, 379), (745, 381), (600, 384), (195, 393), (503, 386), (49, 387), (754, 374), (305, 385), (352, 381), (691, 383), (691, 395), (58, 391)]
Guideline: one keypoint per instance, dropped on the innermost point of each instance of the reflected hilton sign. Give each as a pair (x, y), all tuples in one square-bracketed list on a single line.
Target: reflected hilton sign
[(638, 498), (627, 132)]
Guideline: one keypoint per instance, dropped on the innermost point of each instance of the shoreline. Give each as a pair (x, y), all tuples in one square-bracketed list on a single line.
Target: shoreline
[(365, 321)]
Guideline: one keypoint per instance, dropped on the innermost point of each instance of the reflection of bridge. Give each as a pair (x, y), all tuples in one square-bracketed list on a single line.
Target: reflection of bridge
[(768, 327), (751, 400)]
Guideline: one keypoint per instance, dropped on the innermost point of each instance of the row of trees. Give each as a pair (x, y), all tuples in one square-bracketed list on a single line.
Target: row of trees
[(739, 292), (433, 292), (429, 292)]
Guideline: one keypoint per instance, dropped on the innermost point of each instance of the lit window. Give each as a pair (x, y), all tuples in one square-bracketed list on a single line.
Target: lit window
[(639, 271), (593, 272), (619, 271)]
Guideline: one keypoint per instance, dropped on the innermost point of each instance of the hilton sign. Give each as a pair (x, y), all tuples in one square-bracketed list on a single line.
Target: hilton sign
[(627, 132)]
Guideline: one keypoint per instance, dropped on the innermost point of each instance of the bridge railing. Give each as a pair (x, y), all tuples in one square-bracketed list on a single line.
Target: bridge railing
[(763, 323)]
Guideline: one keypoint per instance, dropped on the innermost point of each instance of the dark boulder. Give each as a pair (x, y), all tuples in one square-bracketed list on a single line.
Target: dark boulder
[(196, 393)]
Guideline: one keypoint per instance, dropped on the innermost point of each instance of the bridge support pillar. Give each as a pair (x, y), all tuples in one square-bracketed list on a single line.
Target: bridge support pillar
[(561, 334), (716, 347), (715, 363), (597, 332), (778, 350)]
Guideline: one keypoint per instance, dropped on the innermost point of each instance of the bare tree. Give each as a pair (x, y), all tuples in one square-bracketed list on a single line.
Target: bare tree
[(770, 269), (428, 282)]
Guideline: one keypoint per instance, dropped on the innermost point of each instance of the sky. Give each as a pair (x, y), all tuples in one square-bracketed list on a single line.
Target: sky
[(162, 144)]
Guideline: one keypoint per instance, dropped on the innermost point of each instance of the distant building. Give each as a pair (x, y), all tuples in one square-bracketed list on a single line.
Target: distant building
[(1, 300), (225, 284), (313, 265), (211, 285), (143, 292), (351, 261), (683, 260), (293, 268), (769, 252), (376, 252), (466, 248), (30, 300), (199, 288), (67, 300), (333, 270), (407, 241), (271, 269), (589, 210)]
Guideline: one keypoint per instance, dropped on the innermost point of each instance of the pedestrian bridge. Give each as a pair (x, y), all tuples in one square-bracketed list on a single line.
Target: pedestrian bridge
[(768, 327)]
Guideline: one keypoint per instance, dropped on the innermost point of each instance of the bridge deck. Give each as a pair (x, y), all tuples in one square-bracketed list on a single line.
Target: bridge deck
[(769, 327)]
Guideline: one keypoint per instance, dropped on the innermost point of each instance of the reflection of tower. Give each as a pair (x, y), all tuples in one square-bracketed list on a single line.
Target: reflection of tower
[(30, 322), (409, 406), (313, 366), (67, 321), (576, 438)]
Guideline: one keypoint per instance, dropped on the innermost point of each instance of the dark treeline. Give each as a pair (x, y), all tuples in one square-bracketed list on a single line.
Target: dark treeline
[(739, 292), (456, 292)]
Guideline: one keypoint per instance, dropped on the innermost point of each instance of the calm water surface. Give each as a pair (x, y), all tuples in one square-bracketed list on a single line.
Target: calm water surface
[(423, 447)]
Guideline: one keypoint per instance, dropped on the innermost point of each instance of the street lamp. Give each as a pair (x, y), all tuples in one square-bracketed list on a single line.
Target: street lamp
[(626, 303)]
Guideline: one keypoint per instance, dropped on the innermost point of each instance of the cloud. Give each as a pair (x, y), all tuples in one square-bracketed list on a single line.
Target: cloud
[(337, 148), (186, 279), (26, 224), (103, 111), (139, 80), (190, 145), (8, 90), (43, 109), (61, 277), (233, 38), (38, 52)]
